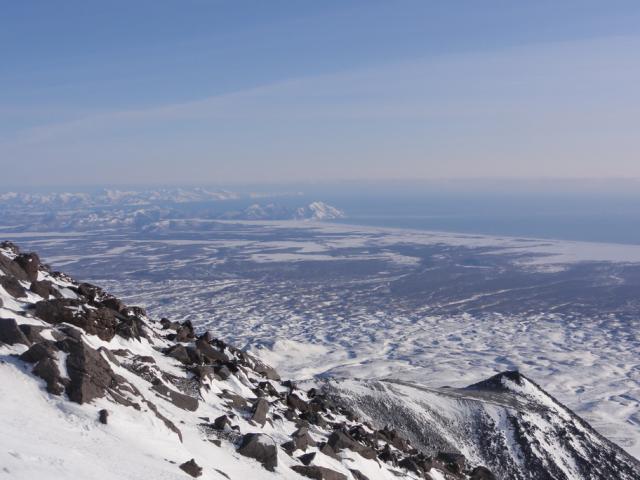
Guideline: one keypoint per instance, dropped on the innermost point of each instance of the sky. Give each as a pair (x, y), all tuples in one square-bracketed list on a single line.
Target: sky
[(208, 92)]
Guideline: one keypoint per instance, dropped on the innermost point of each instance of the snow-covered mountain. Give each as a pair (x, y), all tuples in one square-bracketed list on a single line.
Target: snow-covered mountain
[(508, 423), (93, 388), (319, 211)]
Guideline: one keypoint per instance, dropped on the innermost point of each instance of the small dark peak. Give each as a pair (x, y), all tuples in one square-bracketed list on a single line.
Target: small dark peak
[(495, 383), (192, 468), (103, 416)]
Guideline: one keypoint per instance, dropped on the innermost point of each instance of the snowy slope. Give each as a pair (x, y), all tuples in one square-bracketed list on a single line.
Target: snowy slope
[(91, 388), (506, 422)]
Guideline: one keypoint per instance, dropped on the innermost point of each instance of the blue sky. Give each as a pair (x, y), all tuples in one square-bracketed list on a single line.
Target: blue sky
[(230, 91)]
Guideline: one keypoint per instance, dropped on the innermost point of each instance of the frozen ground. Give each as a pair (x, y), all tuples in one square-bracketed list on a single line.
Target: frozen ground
[(440, 309)]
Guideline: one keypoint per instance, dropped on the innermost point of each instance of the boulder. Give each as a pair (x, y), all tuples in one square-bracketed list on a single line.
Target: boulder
[(259, 411), (179, 352), (32, 332), (318, 473), (482, 473), (307, 458), (296, 402), (222, 423), (101, 321), (90, 374), (358, 475), (12, 269), (39, 351), (11, 334), (44, 288), (192, 468), (180, 400), (302, 440), (455, 462), (30, 263), (339, 440), (103, 416), (209, 353), (261, 448), (47, 369), (13, 287)]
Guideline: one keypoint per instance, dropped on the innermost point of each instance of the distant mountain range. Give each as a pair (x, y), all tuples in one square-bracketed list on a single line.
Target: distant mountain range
[(143, 209)]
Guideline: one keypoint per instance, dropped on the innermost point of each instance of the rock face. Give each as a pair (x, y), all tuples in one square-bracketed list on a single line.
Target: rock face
[(192, 468), (76, 343), (260, 447), (10, 333)]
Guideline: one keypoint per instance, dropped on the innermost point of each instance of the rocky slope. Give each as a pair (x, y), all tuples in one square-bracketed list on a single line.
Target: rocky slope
[(93, 388)]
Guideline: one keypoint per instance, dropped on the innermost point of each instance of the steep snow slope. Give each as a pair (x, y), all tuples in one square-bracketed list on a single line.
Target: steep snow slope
[(92, 388)]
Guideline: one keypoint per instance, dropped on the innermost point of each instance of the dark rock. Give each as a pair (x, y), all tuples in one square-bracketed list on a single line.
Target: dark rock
[(307, 458), (44, 288), (455, 462), (130, 328), (482, 473), (180, 400), (185, 332), (169, 325), (260, 410), (222, 423), (265, 370), (222, 473), (192, 468), (302, 440), (13, 287), (11, 334), (328, 450), (411, 465), (339, 440), (260, 447), (235, 400), (30, 263), (318, 473), (47, 369), (39, 351), (103, 416), (179, 352), (223, 372), (296, 402), (101, 321), (387, 455), (110, 355), (113, 303), (32, 332), (358, 475), (12, 269), (209, 353), (90, 374)]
